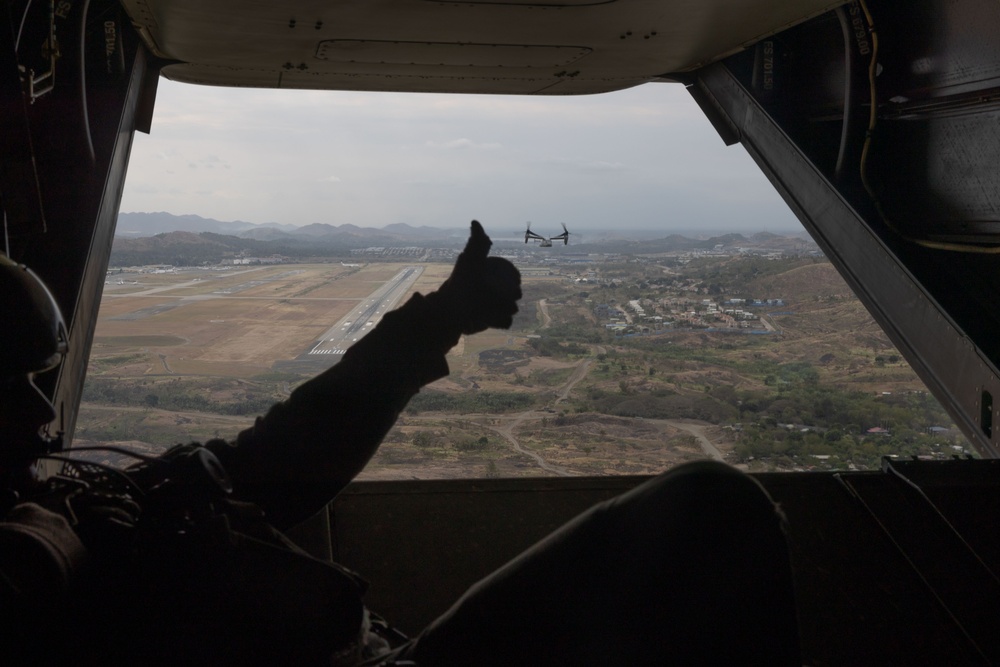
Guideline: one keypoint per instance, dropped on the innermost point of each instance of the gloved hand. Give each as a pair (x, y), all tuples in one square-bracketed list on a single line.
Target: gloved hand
[(105, 522), (482, 291)]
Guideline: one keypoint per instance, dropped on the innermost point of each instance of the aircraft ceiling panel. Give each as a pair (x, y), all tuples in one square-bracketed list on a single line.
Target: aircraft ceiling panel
[(295, 79), (535, 3), (461, 54), (508, 47)]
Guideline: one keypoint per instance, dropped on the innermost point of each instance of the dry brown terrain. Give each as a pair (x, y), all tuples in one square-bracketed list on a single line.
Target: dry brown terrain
[(219, 328), (236, 324), (222, 337)]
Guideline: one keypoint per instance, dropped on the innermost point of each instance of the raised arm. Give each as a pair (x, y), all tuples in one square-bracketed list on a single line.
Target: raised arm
[(299, 455)]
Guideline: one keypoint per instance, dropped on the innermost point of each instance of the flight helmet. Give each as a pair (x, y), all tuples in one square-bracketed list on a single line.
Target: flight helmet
[(32, 333)]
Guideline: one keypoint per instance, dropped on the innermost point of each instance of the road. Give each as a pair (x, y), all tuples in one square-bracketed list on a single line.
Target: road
[(697, 429), (509, 425), (507, 431), (578, 374), (543, 306)]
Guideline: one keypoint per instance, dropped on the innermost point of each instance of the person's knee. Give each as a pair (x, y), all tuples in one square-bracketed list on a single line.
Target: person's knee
[(701, 491), (706, 469), (706, 477)]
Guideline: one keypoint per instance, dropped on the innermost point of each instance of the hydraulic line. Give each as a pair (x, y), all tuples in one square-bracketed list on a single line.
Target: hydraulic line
[(845, 130)]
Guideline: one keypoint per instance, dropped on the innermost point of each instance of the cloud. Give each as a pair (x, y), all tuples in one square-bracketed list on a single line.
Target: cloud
[(208, 162), (272, 155), (212, 161), (580, 164), (464, 144)]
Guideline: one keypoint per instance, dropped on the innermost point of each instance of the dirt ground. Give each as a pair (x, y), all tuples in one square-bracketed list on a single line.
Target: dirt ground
[(234, 323), (202, 323)]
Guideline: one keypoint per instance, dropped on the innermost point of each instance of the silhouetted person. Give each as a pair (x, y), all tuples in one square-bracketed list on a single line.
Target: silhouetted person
[(181, 559)]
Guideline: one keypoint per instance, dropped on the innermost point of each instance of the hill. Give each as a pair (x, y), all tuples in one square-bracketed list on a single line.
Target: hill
[(803, 283), (163, 238), (133, 225), (188, 249), (139, 225)]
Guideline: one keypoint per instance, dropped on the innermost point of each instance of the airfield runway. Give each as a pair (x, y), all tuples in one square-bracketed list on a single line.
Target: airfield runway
[(239, 320), (353, 326)]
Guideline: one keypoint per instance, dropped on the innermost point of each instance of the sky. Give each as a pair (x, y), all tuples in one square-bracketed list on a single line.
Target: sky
[(642, 158)]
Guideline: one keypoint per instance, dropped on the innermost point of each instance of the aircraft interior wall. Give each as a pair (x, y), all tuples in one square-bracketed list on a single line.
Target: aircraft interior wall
[(890, 108)]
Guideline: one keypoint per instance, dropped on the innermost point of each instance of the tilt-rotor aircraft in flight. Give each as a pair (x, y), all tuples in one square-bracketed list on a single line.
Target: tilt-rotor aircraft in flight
[(878, 122), (546, 241)]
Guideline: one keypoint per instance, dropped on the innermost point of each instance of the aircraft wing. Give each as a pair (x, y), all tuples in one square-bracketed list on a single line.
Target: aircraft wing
[(564, 237), (532, 235), (556, 47)]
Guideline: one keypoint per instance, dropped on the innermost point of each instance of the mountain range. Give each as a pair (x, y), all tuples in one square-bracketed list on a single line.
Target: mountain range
[(137, 225), (164, 238)]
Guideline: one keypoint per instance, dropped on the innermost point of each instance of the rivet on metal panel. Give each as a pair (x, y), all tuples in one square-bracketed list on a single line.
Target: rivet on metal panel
[(986, 414)]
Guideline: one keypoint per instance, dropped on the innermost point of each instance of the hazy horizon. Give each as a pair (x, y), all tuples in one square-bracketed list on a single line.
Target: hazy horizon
[(507, 233), (645, 158)]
